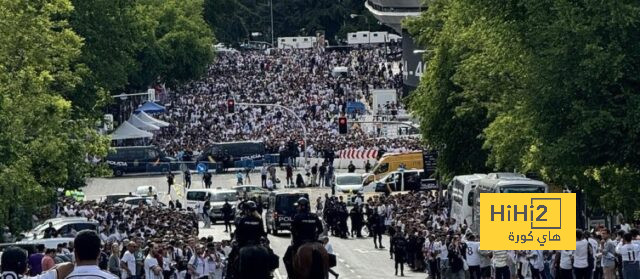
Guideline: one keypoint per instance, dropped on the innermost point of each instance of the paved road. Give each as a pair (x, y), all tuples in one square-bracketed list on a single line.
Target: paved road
[(357, 258)]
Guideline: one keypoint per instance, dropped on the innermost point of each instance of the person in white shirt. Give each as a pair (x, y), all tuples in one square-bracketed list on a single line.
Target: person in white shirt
[(473, 257), (580, 257), (197, 265), (87, 250), (128, 262), (536, 261), (329, 248), (629, 253), (624, 226), (212, 261), (152, 269), (566, 268)]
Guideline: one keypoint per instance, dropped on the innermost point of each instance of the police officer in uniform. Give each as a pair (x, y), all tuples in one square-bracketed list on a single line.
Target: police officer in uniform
[(306, 227), (249, 231), (249, 228), (399, 246)]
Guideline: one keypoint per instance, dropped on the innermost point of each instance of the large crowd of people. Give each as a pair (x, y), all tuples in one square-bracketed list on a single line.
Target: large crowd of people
[(144, 241), (299, 79), (423, 237)]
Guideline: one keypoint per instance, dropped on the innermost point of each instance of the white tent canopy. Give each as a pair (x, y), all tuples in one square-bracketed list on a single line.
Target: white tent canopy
[(149, 119), (140, 124), (128, 131)]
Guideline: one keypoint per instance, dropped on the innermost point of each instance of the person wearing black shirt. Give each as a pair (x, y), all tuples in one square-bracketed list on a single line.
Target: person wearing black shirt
[(187, 179), (399, 246), (351, 167), (356, 221), (411, 250), (207, 180), (306, 227), (367, 167), (50, 232), (170, 177), (250, 228), (314, 175), (420, 260), (392, 233), (456, 256), (377, 229), (323, 170), (227, 211)]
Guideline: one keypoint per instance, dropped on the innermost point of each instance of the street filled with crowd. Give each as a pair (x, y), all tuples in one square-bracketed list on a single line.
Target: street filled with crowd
[(300, 80)]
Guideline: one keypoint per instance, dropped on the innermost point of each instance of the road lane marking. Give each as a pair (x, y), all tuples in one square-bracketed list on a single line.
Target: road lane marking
[(341, 260), (346, 265), (367, 251)]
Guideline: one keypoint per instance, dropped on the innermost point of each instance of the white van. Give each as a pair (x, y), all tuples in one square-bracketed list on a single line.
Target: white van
[(194, 196)]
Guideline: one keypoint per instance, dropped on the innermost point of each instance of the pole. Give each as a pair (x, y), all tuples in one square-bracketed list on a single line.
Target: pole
[(271, 6), (304, 128)]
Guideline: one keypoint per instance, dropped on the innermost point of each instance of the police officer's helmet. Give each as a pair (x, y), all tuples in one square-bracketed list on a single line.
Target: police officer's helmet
[(250, 206), (303, 202)]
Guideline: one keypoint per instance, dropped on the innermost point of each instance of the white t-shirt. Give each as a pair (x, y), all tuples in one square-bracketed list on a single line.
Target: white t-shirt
[(581, 254), (149, 264), (89, 272), (629, 252), (199, 265), (329, 248), (130, 260), (565, 259), (211, 265), (473, 255)]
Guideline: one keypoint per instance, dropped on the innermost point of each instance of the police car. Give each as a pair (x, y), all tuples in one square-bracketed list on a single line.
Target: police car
[(281, 209)]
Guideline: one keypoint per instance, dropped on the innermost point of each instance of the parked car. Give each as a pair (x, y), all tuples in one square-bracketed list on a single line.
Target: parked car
[(49, 243), (217, 200), (63, 226), (395, 181), (348, 182), (114, 198), (252, 191), (134, 202)]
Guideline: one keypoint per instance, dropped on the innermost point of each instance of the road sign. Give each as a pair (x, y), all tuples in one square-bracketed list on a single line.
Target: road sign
[(202, 168)]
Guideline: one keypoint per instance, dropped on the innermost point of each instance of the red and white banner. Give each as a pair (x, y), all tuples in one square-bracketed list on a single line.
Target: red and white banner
[(358, 154)]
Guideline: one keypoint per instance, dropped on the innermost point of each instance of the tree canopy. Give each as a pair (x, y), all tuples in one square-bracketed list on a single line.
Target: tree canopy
[(234, 20), (59, 61), (549, 87)]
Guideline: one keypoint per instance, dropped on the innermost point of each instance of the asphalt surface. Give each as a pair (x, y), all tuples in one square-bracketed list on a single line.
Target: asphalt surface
[(357, 257)]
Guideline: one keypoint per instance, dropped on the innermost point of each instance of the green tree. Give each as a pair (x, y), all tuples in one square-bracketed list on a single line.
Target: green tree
[(235, 20), (558, 81), (42, 146)]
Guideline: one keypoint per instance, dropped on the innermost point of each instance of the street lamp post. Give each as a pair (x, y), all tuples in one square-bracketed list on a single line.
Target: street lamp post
[(366, 20), (271, 6), (304, 128)]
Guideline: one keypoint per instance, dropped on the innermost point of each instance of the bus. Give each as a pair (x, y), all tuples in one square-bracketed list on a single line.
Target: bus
[(503, 182), (227, 153), (459, 190)]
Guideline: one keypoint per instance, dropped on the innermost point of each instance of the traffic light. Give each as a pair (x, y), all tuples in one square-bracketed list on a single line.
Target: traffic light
[(231, 105), (342, 125)]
